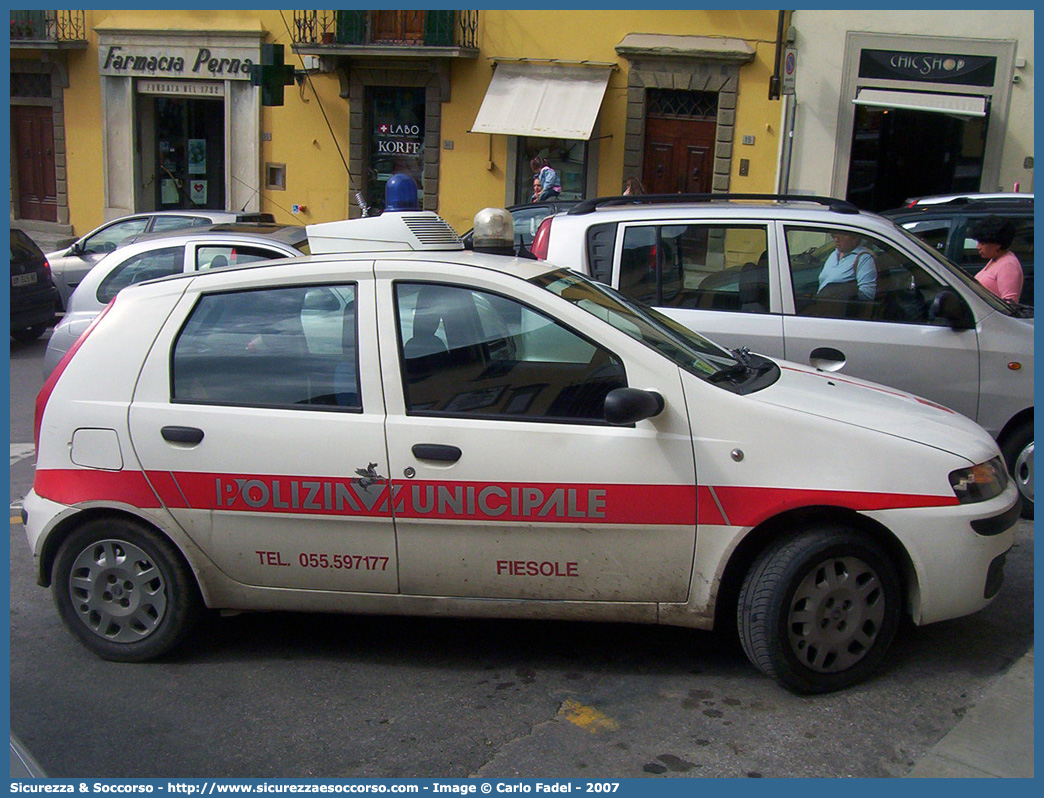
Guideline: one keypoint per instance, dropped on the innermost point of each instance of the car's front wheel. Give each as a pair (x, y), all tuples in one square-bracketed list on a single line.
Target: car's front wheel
[(124, 590), (818, 610), (1018, 457)]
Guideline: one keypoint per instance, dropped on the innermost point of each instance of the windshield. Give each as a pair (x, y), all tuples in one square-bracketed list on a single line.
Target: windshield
[(686, 348), (987, 296)]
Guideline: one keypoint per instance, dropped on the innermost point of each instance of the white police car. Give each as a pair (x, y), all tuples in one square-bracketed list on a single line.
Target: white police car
[(433, 431)]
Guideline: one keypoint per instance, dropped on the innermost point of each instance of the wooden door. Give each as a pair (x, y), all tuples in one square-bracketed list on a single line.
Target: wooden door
[(404, 27), (679, 155), (33, 131)]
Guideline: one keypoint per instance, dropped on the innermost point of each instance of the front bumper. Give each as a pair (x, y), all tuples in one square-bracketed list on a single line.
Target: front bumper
[(957, 569)]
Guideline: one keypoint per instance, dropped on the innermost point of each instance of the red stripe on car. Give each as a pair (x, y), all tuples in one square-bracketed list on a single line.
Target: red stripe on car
[(75, 486), (745, 506), (580, 503)]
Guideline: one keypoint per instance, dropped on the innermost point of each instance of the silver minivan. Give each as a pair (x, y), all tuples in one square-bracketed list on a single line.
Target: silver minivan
[(747, 271)]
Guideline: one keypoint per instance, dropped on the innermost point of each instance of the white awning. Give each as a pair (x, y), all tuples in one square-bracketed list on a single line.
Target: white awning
[(551, 100), (956, 104)]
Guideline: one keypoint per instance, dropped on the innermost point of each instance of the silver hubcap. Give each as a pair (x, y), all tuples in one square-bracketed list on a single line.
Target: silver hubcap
[(1023, 472), (117, 591), (836, 614)]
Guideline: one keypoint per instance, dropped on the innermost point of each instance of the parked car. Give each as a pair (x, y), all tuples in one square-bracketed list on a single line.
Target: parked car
[(946, 223), (489, 436), (745, 272), (32, 291), (163, 254), (527, 219), (69, 266)]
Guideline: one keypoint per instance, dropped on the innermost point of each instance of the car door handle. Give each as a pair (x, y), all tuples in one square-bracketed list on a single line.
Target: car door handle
[(826, 358), (437, 452), (182, 434)]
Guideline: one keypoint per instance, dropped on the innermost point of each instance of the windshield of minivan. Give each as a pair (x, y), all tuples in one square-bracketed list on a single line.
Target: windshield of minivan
[(986, 295), (686, 348)]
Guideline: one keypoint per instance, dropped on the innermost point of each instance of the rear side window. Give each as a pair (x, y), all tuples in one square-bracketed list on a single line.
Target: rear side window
[(472, 353), (139, 268), (162, 223), (290, 347), (22, 247), (526, 222), (220, 255), (933, 232), (700, 266)]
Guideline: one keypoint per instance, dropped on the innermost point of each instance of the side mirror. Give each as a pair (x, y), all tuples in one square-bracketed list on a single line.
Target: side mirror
[(948, 306), (628, 405), (75, 250)]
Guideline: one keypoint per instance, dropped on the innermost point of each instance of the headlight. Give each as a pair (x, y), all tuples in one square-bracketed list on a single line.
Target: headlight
[(980, 482)]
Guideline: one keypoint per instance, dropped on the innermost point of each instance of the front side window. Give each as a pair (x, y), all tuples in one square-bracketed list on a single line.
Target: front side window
[(473, 353), (684, 347), (706, 267), (281, 347), (108, 239), (842, 274), (1022, 245), (139, 268)]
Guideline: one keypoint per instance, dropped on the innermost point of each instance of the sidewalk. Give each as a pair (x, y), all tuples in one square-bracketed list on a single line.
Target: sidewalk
[(48, 237), (49, 242), (995, 737)]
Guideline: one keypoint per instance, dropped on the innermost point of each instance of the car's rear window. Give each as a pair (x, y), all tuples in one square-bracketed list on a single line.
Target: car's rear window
[(22, 247)]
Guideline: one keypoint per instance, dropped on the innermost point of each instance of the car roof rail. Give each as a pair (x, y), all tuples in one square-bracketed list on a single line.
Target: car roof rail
[(589, 206)]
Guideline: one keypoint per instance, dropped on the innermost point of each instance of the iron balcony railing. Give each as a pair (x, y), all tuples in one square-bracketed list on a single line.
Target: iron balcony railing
[(48, 26), (428, 28)]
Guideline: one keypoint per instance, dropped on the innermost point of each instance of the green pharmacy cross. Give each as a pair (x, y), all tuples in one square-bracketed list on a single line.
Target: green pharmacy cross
[(271, 74)]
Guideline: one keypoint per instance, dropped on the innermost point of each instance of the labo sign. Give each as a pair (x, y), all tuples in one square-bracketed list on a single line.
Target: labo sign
[(204, 62)]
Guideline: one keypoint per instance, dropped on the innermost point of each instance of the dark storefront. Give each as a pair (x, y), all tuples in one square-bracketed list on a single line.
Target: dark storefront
[(927, 135), (190, 152)]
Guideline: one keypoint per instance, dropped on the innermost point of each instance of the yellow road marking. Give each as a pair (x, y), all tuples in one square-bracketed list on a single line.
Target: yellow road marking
[(587, 718)]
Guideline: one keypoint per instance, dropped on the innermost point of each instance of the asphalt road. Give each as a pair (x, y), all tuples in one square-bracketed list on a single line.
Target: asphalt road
[(291, 695)]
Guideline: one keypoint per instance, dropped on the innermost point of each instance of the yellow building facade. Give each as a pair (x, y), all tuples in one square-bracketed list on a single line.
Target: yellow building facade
[(151, 109)]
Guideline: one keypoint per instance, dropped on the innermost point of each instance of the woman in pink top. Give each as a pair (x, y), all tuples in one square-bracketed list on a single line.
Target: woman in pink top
[(1002, 275)]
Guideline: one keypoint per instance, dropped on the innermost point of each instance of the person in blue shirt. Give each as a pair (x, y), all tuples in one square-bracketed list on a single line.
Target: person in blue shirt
[(850, 271), (550, 183)]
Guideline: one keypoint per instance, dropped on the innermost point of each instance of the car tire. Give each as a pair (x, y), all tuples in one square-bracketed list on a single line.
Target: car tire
[(1018, 457), (29, 334), (817, 611), (124, 590)]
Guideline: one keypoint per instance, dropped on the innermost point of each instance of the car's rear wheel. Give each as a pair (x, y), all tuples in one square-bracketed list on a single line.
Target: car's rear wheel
[(124, 590), (29, 334), (817, 611), (1018, 457)]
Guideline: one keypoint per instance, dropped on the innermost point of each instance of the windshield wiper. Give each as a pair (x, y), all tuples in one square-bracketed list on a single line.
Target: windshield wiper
[(1018, 310), (737, 370)]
